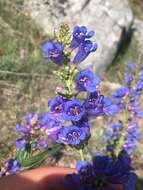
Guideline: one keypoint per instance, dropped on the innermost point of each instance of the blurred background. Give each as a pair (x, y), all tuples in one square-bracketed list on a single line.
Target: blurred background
[(26, 80)]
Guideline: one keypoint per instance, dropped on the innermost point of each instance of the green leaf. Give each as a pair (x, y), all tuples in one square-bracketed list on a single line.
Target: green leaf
[(37, 159)]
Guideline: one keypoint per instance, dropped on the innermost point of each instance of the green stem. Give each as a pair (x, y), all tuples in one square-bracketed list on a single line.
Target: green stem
[(81, 154)]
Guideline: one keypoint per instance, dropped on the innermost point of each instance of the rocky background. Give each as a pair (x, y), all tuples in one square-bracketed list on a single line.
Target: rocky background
[(26, 80)]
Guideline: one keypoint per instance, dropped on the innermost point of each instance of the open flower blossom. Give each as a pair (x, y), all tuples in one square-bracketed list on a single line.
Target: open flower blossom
[(73, 110), (74, 135), (50, 126), (12, 166), (94, 104), (97, 105), (87, 81), (80, 33), (53, 51), (56, 105)]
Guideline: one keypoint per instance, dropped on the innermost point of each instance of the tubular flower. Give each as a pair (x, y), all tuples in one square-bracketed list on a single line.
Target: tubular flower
[(53, 51), (87, 81), (79, 35), (73, 110), (74, 135), (84, 50)]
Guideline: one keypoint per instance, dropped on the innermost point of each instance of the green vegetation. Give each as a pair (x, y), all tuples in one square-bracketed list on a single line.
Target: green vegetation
[(128, 54), (24, 74), (137, 7), (20, 41)]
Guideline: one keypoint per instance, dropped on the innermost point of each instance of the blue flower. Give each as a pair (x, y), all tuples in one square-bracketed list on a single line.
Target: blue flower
[(112, 134), (140, 77), (128, 77), (138, 114), (53, 51), (82, 166), (85, 171), (97, 105), (118, 126), (12, 166), (131, 138), (73, 135), (83, 122), (42, 143), (21, 143), (79, 35), (31, 119), (131, 66), (109, 108), (94, 104), (101, 164), (1, 174), (129, 146), (56, 105), (120, 93), (130, 182), (84, 50), (87, 81), (119, 169), (139, 86), (73, 110), (22, 129), (50, 125)]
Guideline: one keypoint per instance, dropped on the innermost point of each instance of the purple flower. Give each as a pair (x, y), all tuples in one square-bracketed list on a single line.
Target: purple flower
[(79, 35), (83, 122), (131, 66), (128, 77), (94, 104), (130, 183), (73, 110), (129, 146), (140, 77), (85, 171), (42, 143), (31, 119), (131, 138), (84, 50), (56, 105), (22, 129), (101, 164), (21, 143), (120, 93), (73, 135), (119, 170), (139, 86), (112, 134), (1, 174), (12, 166), (50, 125), (105, 170), (87, 81), (117, 127), (53, 51), (109, 108), (97, 105)]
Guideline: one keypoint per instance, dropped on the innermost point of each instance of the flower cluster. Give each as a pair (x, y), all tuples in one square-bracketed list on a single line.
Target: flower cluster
[(67, 120), (104, 172), (124, 134), (80, 40)]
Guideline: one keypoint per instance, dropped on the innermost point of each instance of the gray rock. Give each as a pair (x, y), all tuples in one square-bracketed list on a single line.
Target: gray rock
[(110, 19)]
